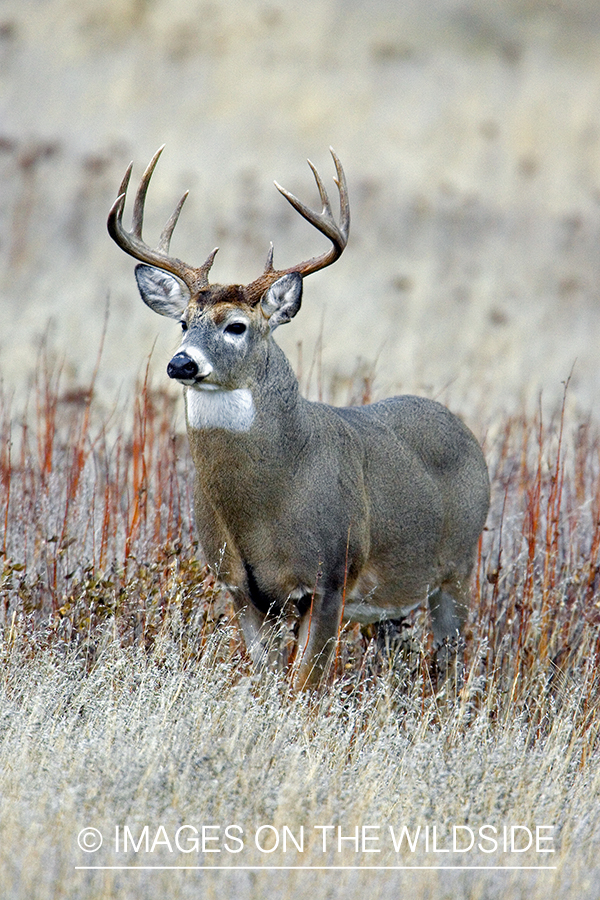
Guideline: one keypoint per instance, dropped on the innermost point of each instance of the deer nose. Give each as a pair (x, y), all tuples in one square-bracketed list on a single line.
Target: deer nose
[(182, 367)]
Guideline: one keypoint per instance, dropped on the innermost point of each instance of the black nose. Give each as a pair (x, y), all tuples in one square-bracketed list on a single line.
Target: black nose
[(182, 366)]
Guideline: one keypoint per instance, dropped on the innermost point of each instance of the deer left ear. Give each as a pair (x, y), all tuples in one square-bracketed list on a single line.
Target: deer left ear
[(282, 300), (160, 291)]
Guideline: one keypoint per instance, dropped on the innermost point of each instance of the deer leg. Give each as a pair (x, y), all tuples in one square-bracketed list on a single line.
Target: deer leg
[(268, 638), (252, 623), (449, 606), (317, 638)]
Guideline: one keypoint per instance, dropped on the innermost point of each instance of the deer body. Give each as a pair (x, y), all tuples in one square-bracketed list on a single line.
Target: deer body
[(329, 513)]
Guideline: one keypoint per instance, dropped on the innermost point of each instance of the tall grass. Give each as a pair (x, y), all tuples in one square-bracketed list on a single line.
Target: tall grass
[(127, 698)]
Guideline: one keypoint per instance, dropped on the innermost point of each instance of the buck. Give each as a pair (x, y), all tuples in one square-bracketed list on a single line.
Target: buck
[(323, 513)]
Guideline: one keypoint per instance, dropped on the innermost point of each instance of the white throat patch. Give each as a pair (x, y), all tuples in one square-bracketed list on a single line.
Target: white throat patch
[(231, 410)]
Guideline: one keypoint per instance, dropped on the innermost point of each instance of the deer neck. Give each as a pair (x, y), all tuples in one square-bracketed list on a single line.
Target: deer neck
[(267, 412)]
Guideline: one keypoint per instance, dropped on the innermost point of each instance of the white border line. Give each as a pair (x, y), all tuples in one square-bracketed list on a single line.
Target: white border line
[(317, 868)]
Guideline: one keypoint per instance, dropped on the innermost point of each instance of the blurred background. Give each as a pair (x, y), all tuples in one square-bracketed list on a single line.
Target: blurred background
[(470, 136)]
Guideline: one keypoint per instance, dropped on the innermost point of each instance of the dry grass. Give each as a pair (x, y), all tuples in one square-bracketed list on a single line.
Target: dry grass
[(127, 698)]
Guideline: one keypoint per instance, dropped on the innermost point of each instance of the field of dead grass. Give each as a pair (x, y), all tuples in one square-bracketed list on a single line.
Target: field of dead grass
[(128, 704)]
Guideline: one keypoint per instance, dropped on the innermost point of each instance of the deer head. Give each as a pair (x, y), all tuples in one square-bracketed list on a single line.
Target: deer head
[(277, 292)]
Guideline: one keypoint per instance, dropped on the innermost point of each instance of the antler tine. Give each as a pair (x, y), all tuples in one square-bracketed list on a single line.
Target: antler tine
[(322, 192), (125, 182), (343, 192), (205, 268), (167, 232), (324, 221), (269, 263), (140, 197), (115, 216)]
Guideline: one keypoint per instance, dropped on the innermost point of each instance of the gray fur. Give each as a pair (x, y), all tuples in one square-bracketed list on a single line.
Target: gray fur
[(369, 510)]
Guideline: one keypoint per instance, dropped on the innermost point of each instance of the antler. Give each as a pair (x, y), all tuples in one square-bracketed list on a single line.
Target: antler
[(323, 221), (131, 241), (196, 279)]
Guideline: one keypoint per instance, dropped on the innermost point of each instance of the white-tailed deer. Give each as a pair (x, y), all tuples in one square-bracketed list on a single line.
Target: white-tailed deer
[(353, 514)]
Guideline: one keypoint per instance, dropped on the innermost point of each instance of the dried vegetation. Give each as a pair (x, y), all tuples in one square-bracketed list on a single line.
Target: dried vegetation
[(127, 698)]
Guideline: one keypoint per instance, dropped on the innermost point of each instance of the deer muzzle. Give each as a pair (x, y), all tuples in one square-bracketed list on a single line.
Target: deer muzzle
[(183, 368)]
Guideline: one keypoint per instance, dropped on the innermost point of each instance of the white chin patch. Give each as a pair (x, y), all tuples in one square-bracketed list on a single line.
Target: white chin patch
[(230, 410)]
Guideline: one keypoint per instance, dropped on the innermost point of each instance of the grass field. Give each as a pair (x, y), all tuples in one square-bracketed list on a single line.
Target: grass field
[(471, 140), (127, 699)]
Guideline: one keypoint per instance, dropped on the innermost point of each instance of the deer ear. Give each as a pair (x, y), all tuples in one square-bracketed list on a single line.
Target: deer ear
[(282, 300), (160, 291)]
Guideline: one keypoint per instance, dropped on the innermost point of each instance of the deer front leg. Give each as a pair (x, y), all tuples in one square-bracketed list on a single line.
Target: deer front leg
[(319, 628), (268, 638), (252, 623)]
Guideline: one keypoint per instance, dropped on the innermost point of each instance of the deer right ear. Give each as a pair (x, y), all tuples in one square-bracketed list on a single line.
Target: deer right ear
[(160, 291), (281, 301)]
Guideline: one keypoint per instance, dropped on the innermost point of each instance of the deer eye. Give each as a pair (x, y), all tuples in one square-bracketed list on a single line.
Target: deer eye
[(235, 328), (184, 326)]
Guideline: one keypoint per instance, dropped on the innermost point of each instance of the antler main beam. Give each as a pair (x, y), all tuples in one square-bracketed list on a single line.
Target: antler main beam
[(133, 243)]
